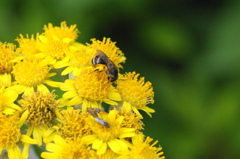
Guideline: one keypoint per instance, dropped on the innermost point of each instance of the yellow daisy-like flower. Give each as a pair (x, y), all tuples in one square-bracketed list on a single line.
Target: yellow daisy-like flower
[(55, 41), (42, 109), (112, 136), (110, 49), (7, 98), (28, 46), (80, 56), (143, 149), (7, 54), (32, 74), (70, 149), (90, 89), (64, 33), (135, 93), (11, 135), (73, 124), (131, 120)]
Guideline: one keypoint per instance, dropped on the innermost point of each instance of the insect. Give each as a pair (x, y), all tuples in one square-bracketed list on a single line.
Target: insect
[(111, 70), (94, 113)]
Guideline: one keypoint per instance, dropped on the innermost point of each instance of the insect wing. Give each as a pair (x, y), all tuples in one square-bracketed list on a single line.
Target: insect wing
[(102, 122)]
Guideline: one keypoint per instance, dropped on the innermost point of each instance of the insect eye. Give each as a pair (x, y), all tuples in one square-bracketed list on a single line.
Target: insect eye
[(98, 60), (94, 60)]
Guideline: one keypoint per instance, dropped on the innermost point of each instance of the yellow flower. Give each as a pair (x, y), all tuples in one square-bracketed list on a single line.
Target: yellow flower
[(131, 120), (144, 150), (73, 124), (110, 49), (67, 149), (135, 93), (7, 54), (31, 74), (11, 135), (112, 137), (90, 89), (42, 109), (7, 99), (28, 46), (64, 33), (80, 56), (55, 41)]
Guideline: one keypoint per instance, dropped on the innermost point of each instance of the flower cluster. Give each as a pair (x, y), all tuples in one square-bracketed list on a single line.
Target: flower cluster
[(96, 114)]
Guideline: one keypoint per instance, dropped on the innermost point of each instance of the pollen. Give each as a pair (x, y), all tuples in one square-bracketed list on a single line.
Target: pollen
[(9, 131), (30, 72), (7, 54), (73, 124), (93, 85), (41, 107), (110, 49)]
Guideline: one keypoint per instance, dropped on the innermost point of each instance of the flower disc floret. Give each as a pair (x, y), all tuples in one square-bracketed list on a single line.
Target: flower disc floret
[(41, 107), (72, 124), (9, 131)]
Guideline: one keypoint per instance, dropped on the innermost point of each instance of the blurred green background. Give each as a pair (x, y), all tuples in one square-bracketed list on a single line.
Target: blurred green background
[(189, 50)]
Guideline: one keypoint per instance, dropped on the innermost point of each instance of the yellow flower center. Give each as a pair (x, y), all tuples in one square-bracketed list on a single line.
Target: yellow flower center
[(7, 54), (9, 131), (137, 92), (41, 108), (92, 85), (56, 49), (30, 73), (73, 124)]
